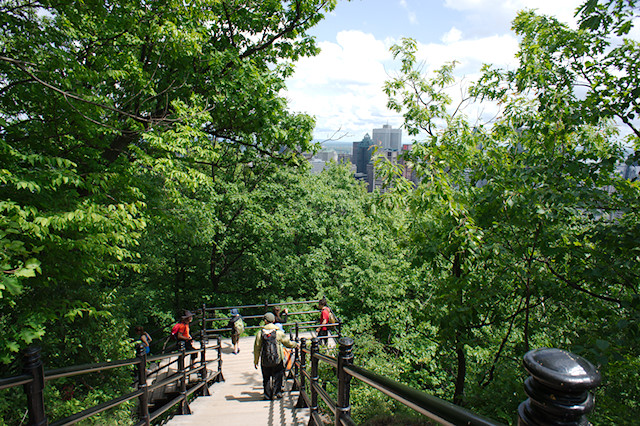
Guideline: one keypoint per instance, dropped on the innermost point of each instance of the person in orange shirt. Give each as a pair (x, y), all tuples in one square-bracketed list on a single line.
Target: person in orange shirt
[(181, 332)]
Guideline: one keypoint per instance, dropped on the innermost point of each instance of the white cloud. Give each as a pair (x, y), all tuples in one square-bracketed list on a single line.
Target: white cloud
[(342, 86), (561, 9), (411, 15), (471, 54), (487, 17), (452, 36)]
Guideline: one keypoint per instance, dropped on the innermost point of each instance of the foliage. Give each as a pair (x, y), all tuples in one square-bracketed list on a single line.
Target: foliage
[(523, 227), (97, 97), (119, 120), (149, 164)]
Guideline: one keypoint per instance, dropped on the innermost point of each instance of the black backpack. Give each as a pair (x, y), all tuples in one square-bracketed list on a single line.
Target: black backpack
[(269, 351)]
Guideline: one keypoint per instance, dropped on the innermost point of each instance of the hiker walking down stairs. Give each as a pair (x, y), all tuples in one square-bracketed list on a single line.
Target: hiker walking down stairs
[(236, 324), (267, 350)]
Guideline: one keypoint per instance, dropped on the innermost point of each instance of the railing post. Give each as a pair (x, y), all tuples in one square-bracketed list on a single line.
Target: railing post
[(220, 376), (203, 361), (558, 388), (204, 319), (303, 367), (142, 384), (184, 404), (315, 348), (296, 359), (345, 357), (35, 389)]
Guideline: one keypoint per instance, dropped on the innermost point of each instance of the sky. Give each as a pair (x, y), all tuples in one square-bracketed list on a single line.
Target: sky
[(342, 86)]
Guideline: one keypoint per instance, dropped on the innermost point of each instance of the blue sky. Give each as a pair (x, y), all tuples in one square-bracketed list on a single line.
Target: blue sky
[(342, 86)]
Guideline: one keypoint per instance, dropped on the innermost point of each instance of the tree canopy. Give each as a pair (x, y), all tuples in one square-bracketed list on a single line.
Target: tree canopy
[(528, 230), (148, 163)]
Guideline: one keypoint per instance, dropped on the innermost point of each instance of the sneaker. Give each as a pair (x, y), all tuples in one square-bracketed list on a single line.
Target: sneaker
[(279, 395), (266, 398)]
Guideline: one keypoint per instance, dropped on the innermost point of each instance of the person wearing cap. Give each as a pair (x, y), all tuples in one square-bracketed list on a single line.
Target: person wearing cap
[(237, 326), (271, 376), (181, 332)]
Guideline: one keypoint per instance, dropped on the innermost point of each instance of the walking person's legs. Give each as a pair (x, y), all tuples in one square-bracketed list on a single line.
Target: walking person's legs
[(278, 375), (267, 382), (322, 337)]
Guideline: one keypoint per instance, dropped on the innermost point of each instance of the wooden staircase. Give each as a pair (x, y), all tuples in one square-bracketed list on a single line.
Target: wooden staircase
[(238, 400)]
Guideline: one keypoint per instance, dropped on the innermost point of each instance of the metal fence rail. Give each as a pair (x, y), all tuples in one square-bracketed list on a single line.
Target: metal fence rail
[(556, 377), (35, 377)]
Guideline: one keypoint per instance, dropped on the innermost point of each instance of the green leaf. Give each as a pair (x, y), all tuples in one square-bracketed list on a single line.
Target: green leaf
[(603, 345)]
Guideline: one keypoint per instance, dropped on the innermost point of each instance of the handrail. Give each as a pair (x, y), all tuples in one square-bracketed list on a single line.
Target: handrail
[(15, 381), (311, 324), (35, 377), (551, 370), (222, 308), (436, 409), (260, 316), (315, 324), (322, 357), (87, 368)]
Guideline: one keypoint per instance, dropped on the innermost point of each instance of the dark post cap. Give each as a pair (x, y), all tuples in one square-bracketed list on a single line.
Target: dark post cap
[(561, 370), (345, 341)]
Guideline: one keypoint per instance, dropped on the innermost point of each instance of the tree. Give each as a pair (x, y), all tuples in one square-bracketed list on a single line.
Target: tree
[(101, 99), (524, 222)]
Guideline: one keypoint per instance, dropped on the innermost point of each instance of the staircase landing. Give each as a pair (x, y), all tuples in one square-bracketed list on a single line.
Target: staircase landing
[(238, 400)]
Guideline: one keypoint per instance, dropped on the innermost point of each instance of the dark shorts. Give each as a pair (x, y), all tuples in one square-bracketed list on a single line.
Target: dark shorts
[(234, 338), (322, 336), (189, 347)]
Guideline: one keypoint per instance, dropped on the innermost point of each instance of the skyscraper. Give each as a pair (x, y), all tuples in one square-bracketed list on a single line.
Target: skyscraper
[(388, 138), (362, 153)]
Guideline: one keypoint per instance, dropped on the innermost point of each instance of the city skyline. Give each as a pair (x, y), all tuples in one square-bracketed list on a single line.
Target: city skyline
[(342, 86)]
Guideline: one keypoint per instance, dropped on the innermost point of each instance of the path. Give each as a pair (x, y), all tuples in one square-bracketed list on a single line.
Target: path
[(238, 400)]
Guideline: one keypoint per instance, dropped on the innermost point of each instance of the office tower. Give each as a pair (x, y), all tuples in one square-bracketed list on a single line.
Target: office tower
[(361, 154), (388, 138)]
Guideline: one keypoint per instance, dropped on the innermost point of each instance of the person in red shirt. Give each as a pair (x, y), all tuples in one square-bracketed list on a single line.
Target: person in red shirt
[(323, 332), (181, 332)]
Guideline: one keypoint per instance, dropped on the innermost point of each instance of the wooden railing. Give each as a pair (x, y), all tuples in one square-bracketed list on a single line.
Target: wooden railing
[(207, 321), (558, 389), (34, 378)]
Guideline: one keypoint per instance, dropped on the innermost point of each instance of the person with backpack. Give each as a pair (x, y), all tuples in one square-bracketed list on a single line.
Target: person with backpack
[(326, 317), (145, 339), (268, 352), (236, 324), (180, 332)]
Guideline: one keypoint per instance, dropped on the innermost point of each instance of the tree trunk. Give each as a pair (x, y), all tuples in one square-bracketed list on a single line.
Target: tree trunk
[(176, 288), (458, 393), (213, 277)]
